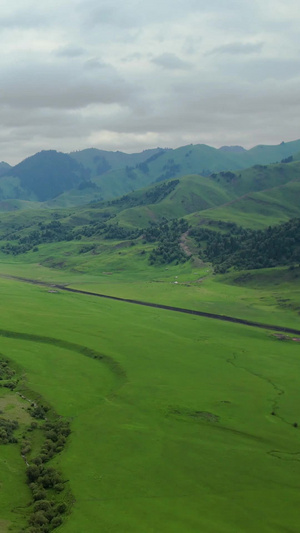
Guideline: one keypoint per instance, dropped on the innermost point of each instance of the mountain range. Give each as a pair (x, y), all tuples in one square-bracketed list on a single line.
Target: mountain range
[(54, 179)]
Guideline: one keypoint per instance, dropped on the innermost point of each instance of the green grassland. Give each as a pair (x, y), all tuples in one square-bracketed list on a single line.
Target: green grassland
[(258, 210), (178, 423), (14, 494), (117, 268), (177, 434)]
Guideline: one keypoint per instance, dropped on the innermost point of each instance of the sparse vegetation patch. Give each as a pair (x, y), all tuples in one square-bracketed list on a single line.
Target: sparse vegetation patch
[(50, 495)]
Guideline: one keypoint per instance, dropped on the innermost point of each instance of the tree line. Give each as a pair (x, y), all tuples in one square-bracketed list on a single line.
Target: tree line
[(167, 234), (244, 248)]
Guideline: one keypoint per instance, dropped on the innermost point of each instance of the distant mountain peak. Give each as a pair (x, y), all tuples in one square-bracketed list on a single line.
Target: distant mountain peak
[(234, 149), (4, 167)]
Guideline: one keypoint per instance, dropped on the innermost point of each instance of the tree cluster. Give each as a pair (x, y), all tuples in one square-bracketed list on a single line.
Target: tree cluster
[(38, 411), (7, 428), (155, 156), (5, 371), (7, 375), (154, 195), (102, 165), (243, 248), (56, 434), (170, 170), (87, 185), (54, 231), (168, 236), (45, 481), (287, 159), (114, 231)]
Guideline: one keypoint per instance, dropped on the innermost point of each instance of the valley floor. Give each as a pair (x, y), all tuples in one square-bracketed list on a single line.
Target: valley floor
[(186, 424)]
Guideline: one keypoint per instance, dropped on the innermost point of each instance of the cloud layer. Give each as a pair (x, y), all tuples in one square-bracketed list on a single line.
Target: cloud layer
[(129, 76)]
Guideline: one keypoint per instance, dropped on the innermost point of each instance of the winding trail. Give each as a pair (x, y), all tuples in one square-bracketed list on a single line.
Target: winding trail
[(204, 314)]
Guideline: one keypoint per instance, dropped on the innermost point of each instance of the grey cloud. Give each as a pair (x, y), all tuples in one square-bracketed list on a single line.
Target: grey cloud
[(90, 75), (260, 69), (94, 63), (62, 86), (139, 14), (22, 19), (132, 57), (69, 51), (171, 61), (191, 45), (237, 48), (215, 112)]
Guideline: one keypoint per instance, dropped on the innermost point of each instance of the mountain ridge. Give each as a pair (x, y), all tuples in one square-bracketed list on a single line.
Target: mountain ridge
[(78, 178)]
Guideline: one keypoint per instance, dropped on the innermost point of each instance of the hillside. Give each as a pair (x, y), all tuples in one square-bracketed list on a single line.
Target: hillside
[(254, 196), (62, 180), (148, 222), (4, 167), (193, 159), (101, 161), (246, 249), (42, 177), (277, 201)]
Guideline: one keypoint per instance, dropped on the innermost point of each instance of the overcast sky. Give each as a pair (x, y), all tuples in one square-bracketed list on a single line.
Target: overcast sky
[(127, 76)]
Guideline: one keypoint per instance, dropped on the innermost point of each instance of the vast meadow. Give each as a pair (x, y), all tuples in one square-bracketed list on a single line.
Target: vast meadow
[(149, 281), (182, 423)]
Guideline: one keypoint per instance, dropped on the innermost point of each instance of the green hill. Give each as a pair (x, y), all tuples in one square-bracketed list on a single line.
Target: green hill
[(253, 198), (225, 196), (101, 161), (4, 167), (193, 159), (62, 180), (42, 176), (205, 402), (277, 200)]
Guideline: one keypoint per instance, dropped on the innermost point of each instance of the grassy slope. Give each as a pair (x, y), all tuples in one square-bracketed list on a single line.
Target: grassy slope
[(265, 154), (116, 183), (119, 269), (258, 210), (129, 272), (191, 159), (91, 157), (129, 455), (268, 191), (14, 492), (75, 197), (139, 458), (193, 193), (198, 159)]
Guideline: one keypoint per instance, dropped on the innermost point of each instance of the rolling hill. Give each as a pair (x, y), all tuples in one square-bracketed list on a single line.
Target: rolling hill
[(253, 198), (66, 180), (42, 176), (4, 167)]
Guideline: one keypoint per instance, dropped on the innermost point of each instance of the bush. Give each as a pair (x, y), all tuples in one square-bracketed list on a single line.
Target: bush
[(7, 428), (39, 519), (39, 494), (56, 521)]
